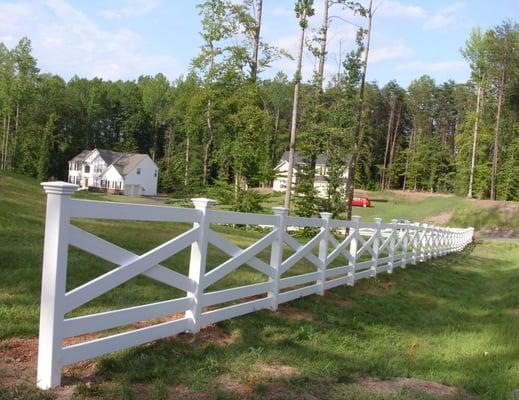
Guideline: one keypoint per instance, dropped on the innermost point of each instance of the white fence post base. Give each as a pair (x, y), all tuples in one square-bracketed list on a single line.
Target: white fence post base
[(323, 252), (276, 255), (355, 219), (375, 246), (54, 277), (197, 262)]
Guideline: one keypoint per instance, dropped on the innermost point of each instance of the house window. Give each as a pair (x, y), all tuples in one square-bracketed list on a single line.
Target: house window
[(138, 171), (87, 169), (155, 173)]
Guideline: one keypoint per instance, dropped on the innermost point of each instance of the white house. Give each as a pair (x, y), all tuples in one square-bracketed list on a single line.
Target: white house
[(321, 173), (132, 174)]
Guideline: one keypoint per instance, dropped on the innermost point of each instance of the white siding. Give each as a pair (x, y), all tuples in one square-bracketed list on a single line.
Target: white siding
[(147, 178), (113, 179)]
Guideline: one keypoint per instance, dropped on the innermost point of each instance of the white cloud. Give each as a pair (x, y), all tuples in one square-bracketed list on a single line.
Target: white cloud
[(67, 42), (395, 9), (446, 18), (129, 9), (424, 67), (387, 53)]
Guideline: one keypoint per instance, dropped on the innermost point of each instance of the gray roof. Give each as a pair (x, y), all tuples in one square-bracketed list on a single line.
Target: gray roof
[(298, 158), (124, 163), (81, 156), (127, 162), (109, 156)]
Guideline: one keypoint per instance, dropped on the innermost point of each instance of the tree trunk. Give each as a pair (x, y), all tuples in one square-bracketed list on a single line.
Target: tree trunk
[(257, 30), (3, 143), (474, 143), (15, 137), (393, 143), (409, 149), (350, 183), (186, 171), (293, 127), (273, 160), (207, 147), (322, 51), (495, 158), (388, 138), (6, 145)]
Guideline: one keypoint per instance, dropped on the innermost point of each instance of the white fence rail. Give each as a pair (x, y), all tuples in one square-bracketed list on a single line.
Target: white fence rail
[(366, 250)]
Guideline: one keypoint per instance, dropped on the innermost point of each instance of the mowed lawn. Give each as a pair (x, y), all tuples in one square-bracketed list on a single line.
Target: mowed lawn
[(447, 327)]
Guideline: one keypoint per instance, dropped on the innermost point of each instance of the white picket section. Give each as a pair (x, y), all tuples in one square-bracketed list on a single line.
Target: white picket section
[(356, 249)]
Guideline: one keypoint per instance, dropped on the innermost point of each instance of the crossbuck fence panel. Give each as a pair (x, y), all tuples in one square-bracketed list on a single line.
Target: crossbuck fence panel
[(363, 249)]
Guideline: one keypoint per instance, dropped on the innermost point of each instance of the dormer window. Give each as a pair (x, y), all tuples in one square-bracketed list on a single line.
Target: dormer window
[(138, 171)]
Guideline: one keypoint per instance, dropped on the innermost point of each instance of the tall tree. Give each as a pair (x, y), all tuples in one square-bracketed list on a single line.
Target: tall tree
[(304, 10), (504, 44), (475, 53), (350, 183)]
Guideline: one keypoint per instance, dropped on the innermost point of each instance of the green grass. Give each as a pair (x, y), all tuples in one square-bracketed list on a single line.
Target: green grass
[(453, 320), (393, 205)]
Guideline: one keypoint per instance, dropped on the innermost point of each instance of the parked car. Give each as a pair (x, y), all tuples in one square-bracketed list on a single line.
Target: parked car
[(361, 201)]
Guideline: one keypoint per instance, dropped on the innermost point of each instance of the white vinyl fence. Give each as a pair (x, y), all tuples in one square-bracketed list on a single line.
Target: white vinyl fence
[(368, 249)]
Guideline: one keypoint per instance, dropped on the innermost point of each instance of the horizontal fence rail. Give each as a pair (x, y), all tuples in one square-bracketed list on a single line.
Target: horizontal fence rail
[(340, 253)]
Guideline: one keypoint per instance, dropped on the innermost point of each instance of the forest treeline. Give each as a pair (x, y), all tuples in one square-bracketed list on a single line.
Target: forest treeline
[(223, 124)]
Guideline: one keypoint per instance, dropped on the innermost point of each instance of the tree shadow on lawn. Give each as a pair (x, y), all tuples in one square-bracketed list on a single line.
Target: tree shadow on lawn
[(440, 320)]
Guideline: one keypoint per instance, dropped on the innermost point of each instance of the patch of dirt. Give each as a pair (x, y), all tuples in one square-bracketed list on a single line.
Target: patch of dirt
[(440, 219), (388, 284), (344, 303), (18, 361), (419, 195), (275, 371), (210, 334), (389, 387), (295, 314), (230, 384)]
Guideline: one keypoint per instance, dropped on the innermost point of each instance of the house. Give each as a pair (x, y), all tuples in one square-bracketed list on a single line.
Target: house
[(111, 171), (321, 173)]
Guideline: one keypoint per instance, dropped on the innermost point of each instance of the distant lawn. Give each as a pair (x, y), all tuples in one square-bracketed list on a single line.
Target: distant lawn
[(453, 321)]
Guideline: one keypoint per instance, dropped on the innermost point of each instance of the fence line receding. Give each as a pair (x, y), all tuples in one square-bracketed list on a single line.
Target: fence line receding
[(365, 250)]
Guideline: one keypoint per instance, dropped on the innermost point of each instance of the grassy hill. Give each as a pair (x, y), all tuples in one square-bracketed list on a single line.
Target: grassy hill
[(448, 328)]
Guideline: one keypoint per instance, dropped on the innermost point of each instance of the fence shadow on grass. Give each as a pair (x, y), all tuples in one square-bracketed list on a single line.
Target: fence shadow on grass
[(442, 320)]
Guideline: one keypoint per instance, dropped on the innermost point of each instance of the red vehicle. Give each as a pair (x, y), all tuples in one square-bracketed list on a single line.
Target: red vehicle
[(361, 201)]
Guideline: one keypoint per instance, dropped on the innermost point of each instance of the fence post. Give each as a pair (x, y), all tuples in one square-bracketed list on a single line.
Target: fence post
[(414, 243), (375, 246), (353, 248), (392, 242), (323, 252), (423, 244), (405, 245), (197, 262), (276, 255), (53, 283), (436, 241)]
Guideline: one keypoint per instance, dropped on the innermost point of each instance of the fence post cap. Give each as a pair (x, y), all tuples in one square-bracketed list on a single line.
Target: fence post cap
[(59, 187), (280, 210), (355, 218), (202, 202), (325, 215), (377, 220)]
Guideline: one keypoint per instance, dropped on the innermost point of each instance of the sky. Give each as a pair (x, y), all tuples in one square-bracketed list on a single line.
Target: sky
[(123, 39)]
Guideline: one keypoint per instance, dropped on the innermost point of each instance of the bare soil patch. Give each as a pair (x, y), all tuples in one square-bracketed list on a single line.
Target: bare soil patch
[(440, 219), (295, 314), (344, 303), (389, 387), (275, 371)]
